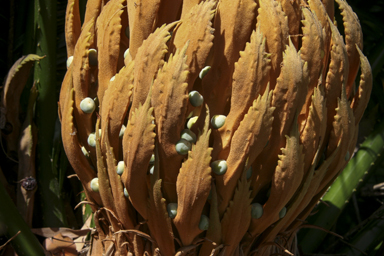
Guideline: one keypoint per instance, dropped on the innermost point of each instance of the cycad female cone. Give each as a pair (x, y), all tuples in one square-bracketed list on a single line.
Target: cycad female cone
[(209, 127)]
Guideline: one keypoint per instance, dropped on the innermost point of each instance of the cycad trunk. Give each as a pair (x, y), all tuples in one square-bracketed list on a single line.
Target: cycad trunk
[(219, 129)]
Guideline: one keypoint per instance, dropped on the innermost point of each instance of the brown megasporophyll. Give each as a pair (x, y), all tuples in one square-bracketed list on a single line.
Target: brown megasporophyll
[(209, 127)]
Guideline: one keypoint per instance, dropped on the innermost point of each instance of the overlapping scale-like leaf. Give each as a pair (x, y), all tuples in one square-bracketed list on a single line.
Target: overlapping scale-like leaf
[(311, 196), (250, 79), (214, 235), (81, 83), (105, 189), (138, 146), (247, 142), (150, 57), (108, 27), (123, 211), (196, 28), (353, 40), (274, 25), (293, 10), (72, 25), (336, 76), (312, 51), (278, 70), (314, 130), (191, 199), (288, 99), (73, 151), (118, 95), (170, 99), (159, 222), (142, 15), (361, 98), (319, 10), (237, 217), (286, 180), (92, 11), (234, 22), (342, 134)]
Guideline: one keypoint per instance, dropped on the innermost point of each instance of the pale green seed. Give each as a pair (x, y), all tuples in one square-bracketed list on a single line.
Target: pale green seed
[(96, 100), (219, 167), (192, 121), (92, 57), (204, 222), (256, 210), (126, 53), (120, 168), (347, 156), (152, 160), (122, 130), (188, 135), (195, 98), (92, 140), (183, 146), (204, 71), (249, 173), (112, 79), (85, 152), (126, 193), (87, 105), (152, 169), (282, 212), (217, 121), (172, 210), (69, 61), (95, 184)]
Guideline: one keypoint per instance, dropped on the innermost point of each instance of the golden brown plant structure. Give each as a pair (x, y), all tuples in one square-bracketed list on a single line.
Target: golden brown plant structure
[(209, 127)]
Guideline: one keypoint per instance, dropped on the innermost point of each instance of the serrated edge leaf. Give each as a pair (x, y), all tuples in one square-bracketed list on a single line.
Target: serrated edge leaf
[(138, 146), (274, 25), (72, 26), (286, 180), (108, 27), (353, 37), (361, 98), (193, 186), (246, 87), (159, 222), (150, 57), (121, 202), (237, 217), (73, 151), (119, 96)]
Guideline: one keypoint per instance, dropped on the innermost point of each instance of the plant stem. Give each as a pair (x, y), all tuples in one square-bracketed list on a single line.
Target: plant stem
[(342, 189)]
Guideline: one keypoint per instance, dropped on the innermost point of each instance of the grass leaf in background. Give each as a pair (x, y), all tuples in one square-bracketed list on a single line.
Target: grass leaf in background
[(46, 113)]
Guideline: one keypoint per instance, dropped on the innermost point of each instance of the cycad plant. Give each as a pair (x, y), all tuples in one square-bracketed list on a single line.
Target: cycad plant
[(209, 127)]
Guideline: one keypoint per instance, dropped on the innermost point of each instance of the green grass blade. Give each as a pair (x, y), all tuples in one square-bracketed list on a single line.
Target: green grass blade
[(51, 206), (11, 222)]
